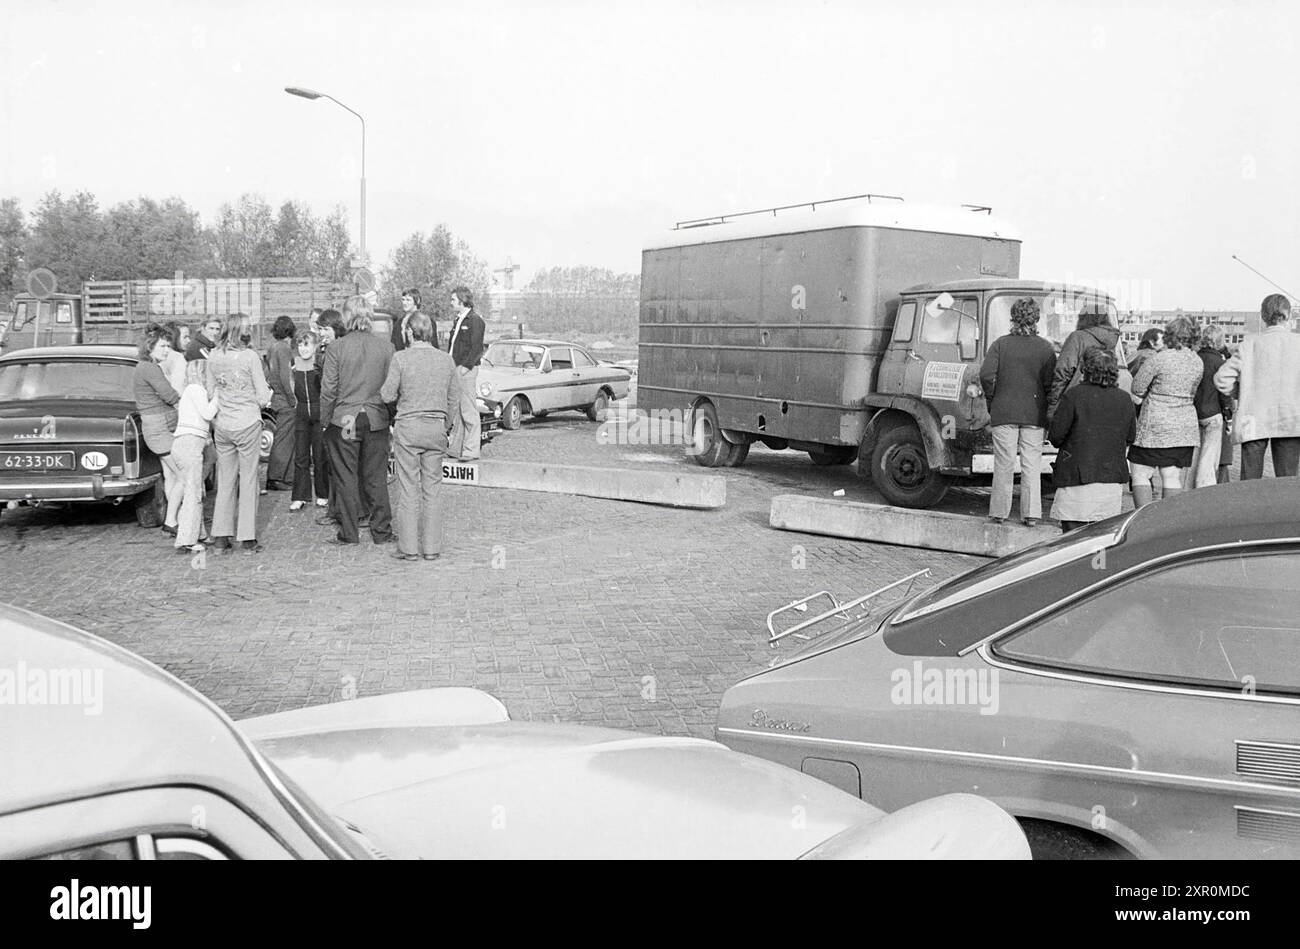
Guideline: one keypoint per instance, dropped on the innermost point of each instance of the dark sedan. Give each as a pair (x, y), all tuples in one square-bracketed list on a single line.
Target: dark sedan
[(69, 430), (1129, 689)]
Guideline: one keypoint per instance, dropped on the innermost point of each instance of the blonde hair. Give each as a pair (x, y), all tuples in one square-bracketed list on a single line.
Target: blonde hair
[(196, 372), (358, 314)]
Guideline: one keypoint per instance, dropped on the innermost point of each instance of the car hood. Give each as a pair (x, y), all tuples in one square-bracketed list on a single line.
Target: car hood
[(500, 789), (508, 377), (42, 422)]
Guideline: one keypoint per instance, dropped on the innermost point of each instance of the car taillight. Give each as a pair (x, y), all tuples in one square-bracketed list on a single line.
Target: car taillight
[(131, 447)]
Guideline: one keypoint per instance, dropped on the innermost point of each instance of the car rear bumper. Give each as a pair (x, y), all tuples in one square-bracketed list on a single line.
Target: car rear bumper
[(94, 488)]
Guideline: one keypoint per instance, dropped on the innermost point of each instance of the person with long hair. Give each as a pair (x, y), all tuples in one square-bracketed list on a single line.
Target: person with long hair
[(1167, 429), (310, 466), (235, 371), (422, 381), (279, 362), (1094, 330), (193, 430), (331, 329), (155, 399), (1265, 371), (1148, 345), (355, 420), (1213, 408), (1017, 377), (1094, 424)]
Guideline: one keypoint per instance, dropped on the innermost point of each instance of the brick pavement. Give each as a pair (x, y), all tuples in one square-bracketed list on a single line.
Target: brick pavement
[(567, 609)]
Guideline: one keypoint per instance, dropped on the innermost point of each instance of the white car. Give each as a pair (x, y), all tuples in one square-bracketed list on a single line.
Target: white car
[(539, 376)]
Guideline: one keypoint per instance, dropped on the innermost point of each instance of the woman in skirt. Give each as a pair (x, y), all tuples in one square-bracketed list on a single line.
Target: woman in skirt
[(1167, 428)]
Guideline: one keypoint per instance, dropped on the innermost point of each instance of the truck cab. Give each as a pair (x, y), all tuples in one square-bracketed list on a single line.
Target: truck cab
[(928, 378), (31, 322)]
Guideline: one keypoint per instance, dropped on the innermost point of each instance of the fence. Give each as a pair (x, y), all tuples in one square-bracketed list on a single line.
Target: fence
[(262, 298)]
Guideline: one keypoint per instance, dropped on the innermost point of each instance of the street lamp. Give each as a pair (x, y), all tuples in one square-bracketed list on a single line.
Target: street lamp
[(313, 94)]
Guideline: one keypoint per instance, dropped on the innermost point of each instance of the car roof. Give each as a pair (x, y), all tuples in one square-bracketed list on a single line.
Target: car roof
[(151, 729), (944, 622), (1003, 283), (536, 342), (75, 351)]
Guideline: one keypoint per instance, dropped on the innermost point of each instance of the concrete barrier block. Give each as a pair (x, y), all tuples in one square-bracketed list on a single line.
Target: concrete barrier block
[(883, 524), (617, 484)]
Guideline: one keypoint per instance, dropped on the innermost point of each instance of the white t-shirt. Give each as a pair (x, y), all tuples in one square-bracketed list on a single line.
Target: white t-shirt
[(195, 411)]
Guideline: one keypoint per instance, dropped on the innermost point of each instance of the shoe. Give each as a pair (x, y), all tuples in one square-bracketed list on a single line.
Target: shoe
[(326, 520), (186, 550), (431, 556), (390, 539), (363, 521), (398, 555), (221, 543), (1031, 522), (170, 531), (997, 520), (340, 542), (261, 492), (250, 547), (296, 505), (322, 502), (279, 486)]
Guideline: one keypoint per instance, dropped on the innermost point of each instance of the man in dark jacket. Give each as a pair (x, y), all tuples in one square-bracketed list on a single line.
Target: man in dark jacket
[(1016, 376), (355, 420), (411, 300), (201, 343), (1094, 329), (279, 376), (1213, 409), (466, 348)]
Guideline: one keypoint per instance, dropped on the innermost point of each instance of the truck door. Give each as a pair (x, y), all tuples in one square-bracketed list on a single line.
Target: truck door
[(949, 324), (62, 330)]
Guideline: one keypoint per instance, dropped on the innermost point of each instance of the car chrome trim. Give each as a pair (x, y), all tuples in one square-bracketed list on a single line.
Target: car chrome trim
[(144, 848), (1136, 568), (1139, 685), (1268, 759), (1040, 764), (187, 845), (81, 489)]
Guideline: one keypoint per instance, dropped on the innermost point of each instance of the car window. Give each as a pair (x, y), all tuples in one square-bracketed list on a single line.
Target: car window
[(581, 360), (903, 322), (108, 850), (1229, 622), (560, 358), (1059, 314), (63, 313), (69, 379), (20, 315), (941, 326)]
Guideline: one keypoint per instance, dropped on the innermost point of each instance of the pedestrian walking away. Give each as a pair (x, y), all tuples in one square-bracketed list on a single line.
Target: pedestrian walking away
[(1265, 376), (423, 382), (235, 372), (466, 347), (1016, 377)]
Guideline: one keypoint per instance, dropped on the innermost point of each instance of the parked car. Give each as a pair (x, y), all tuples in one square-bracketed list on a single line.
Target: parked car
[(118, 759), (1131, 688), (539, 376), (69, 430)]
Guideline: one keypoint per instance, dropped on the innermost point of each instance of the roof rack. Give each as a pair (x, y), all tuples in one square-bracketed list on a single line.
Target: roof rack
[(837, 609), (978, 208), (723, 218)]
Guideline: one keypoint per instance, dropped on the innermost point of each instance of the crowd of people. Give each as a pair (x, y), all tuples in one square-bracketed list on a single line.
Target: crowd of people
[(1167, 421), (340, 397)]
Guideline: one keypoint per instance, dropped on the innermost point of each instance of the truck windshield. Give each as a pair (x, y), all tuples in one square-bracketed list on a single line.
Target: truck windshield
[(1060, 314), (68, 379)]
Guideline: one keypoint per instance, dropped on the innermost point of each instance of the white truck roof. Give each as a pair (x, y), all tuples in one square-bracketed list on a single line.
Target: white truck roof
[(899, 215)]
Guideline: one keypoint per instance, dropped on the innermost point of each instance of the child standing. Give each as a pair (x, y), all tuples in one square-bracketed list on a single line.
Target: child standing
[(310, 469), (195, 412)]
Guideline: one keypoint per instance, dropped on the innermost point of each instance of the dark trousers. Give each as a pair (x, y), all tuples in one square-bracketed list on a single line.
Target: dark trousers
[(309, 463), (280, 466), (359, 469), (1286, 457)]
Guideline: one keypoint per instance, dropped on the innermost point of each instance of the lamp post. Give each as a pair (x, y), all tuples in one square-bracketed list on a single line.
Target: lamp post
[(313, 94)]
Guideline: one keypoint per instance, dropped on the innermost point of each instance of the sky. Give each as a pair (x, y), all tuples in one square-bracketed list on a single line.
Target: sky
[(1134, 145)]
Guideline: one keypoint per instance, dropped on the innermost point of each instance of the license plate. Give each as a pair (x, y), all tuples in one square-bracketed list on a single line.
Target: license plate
[(37, 461)]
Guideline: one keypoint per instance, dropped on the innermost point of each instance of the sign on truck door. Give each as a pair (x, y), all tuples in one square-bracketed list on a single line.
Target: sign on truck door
[(938, 370)]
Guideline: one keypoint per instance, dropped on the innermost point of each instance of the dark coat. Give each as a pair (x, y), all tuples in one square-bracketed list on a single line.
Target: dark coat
[(1070, 361), (354, 370), (467, 348), (279, 374), (1016, 376), (1209, 400), (399, 337), (1092, 429)]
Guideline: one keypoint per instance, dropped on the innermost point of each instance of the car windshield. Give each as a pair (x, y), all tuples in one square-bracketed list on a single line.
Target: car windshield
[(518, 355), (1060, 313), (66, 379)]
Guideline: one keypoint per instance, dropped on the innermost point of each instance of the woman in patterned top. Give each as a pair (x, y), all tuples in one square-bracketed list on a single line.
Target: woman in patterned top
[(1167, 429)]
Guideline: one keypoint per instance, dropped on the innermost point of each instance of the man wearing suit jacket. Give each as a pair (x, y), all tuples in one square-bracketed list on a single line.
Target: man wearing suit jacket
[(410, 305), (466, 348), (355, 420)]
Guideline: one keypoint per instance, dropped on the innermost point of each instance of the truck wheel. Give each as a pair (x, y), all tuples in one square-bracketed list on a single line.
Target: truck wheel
[(596, 411), (833, 455), (266, 441), (738, 455), (151, 505), (711, 449), (1050, 841), (900, 471), (513, 413)]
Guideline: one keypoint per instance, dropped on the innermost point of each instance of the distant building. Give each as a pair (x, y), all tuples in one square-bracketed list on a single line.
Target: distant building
[(1236, 323)]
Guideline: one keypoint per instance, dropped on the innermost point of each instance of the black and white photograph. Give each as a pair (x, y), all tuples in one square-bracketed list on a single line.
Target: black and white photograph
[(688, 431)]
